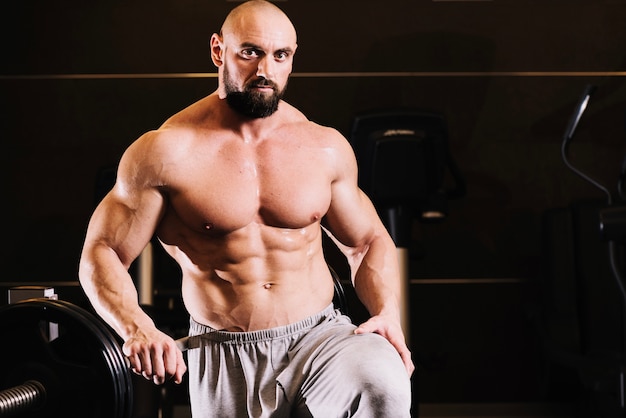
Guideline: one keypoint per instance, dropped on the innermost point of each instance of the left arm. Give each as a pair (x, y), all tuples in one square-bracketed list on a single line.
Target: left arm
[(361, 236)]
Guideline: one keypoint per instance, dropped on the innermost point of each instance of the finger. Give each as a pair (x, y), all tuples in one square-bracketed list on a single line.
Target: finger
[(173, 359), (394, 339), (133, 359), (408, 362), (145, 364), (157, 358), (170, 361), (134, 364), (181, 368), (400, 345)]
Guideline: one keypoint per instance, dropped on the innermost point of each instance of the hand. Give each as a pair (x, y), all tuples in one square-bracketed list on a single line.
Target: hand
[(391, 330), (154, 355)]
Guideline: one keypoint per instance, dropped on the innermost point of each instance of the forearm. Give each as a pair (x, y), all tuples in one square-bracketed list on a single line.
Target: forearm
[(377, 283), (376, 276), (111, 291)]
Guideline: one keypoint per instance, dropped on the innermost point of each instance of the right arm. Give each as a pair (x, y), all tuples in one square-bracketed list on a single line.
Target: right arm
[(355, 226), (120, 228)]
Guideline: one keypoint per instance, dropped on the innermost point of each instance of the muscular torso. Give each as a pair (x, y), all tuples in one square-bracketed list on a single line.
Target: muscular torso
[(242, 218)]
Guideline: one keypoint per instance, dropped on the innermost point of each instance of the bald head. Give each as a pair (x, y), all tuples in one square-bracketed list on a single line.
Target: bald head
[(257, 16)]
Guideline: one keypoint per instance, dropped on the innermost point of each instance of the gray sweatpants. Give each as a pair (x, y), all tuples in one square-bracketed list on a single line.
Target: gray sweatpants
[(316, 367)]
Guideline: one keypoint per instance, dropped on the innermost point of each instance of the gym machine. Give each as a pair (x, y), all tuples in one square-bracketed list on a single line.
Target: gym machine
[(612, 230)]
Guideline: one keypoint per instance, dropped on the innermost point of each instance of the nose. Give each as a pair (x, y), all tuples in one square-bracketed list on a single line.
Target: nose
[(266, 67)]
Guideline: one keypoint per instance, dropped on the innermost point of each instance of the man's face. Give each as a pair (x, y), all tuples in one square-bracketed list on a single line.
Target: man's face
[(255, 55), (257, 98)]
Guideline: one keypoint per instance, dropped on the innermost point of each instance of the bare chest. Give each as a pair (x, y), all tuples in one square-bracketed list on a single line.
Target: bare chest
[(227, 189)]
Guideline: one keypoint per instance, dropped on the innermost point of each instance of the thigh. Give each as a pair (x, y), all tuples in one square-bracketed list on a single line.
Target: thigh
[(348, 375), (235, 381)]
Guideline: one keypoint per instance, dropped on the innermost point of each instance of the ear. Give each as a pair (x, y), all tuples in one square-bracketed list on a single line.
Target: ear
[(217, 49)]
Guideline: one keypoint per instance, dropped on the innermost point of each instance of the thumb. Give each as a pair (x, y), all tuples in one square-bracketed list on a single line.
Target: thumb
[(366, 327)]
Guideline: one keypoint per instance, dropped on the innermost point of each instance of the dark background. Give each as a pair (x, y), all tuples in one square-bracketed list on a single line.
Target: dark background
[(81, 80)]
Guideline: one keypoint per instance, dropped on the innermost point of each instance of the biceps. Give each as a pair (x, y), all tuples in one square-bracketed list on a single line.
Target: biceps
[(125, 224), (352, 218)]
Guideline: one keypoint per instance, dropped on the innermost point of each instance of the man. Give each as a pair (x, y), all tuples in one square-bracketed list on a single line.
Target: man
[(235, 187)]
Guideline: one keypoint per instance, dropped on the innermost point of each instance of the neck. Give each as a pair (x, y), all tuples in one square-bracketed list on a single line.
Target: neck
[(249, 128)]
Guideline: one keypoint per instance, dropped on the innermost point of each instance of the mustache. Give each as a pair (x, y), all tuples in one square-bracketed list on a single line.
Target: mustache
[(263, 82)]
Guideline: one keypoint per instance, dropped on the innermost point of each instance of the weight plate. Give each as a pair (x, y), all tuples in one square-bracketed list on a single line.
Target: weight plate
[(71, 352)]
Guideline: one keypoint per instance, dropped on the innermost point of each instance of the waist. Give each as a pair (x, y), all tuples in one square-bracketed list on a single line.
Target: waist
[(253, 306), (207, 332)]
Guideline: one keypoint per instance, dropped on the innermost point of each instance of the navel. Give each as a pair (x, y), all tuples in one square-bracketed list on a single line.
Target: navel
[(267, 286), (208, 226)]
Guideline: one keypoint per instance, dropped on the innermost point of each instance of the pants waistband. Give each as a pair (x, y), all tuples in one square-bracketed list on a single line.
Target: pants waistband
[(197, 330)]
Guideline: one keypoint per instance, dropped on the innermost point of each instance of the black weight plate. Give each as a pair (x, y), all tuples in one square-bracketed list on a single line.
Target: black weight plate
[(83, 369), (118, 364)]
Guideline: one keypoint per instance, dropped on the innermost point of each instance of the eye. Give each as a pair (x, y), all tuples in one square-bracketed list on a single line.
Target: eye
[(249, 53), (281, 55)]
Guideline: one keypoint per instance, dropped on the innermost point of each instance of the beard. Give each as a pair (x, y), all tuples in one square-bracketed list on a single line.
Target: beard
[(251, 103)]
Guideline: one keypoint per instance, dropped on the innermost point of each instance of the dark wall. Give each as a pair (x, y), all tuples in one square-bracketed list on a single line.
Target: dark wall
[(505, 125), (78, 87)]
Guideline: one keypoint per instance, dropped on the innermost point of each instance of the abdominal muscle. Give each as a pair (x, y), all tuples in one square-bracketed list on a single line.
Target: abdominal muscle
[(258, 277)]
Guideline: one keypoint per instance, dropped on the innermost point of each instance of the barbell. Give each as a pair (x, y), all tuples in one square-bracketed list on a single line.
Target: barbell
[(59, 360)]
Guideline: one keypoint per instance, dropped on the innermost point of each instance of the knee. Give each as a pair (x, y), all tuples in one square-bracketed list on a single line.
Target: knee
[(384, 389), (379, 377), (380, 400), (357, 376)]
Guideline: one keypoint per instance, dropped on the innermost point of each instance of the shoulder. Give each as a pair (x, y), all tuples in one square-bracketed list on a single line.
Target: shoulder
[(327, 142), (328, 139), (157, 145), (322, 134), (151, 157), (147, 161), (197, 114), (179, 131)]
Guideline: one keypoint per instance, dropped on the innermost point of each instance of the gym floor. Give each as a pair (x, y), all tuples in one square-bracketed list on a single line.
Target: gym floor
[(477, 410), (496, 410)]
